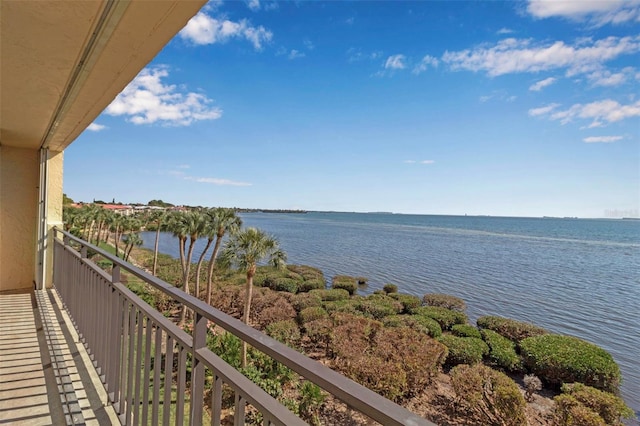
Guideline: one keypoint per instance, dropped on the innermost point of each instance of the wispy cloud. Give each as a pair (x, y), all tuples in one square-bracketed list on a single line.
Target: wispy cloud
[(355, 55), (600, 113), (395, 62), (498, 95), (426, 62), (602, 139), (95, 127), (295, 54), (205, 29), (350, 21), (217, 181), (524, 55), (256, 5), (608, 79), (535, 112), (504, 31), (147, 100), (308, 44), (538, 86), (419, 162), (184, 166), (597, 13)]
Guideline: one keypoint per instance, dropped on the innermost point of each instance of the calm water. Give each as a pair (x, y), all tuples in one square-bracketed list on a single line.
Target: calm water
[(577, 277)]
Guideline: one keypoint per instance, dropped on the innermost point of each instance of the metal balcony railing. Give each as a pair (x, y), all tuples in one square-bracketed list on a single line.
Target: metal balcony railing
[(144, 359)]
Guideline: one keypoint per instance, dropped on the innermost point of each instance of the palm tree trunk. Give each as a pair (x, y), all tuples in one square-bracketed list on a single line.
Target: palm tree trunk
[(199, 265), (212, 263), (247, 309), (155, 251), (185, 279)]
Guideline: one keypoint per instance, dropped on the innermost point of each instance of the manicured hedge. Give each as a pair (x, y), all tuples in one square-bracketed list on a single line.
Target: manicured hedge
[(378, 306), (585, 402), (560, 359), (511, 329), (409, 302), (346, 283), (311, 314), (312, 284), (289, 285), (490, 396), (502, 351), (463, 350), (425, 325), (444, 301), (331, 294), (390, 288), (286, 332), (447, 318), (465, 330)]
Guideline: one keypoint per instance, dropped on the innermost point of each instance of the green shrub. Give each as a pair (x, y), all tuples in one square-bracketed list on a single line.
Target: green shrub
[(312, 284), (610, 408), (305, 300), (490, 396), (319, 332), (311, 314), (346, 283), (286, 332), (331, 294), (465, 330), (569, 412), (306, 272), (502, 351), (289, 285), (444, 301), (447, 318), (409, 302), (418, 323), (347, 306), (463, 350), (511, 329), (390, 288), (560, 359), (379, 307)]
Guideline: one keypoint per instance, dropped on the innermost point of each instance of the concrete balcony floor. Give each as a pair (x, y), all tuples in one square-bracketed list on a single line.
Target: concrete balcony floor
[(46, 375)]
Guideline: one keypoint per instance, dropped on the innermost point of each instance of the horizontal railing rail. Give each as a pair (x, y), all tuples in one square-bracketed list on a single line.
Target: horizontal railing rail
[(140, 354)]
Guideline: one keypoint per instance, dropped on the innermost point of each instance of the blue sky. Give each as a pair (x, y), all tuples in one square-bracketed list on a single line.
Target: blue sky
[(514, 108)]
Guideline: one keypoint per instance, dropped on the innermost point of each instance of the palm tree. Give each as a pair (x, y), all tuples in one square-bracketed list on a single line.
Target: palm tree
[(131, 240), (157, 217), (222, 221), (245, 250), (187, 225)]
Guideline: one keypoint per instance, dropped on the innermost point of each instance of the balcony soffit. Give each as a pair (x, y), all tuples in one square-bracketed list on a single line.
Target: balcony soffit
[(63, 62)]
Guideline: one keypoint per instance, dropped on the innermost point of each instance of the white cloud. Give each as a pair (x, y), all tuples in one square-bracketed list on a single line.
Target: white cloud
[(534, 112), (504, 31), (425, 63), (308, 44), (600, 112), (498, 95), (205, 29), (607, 78), (184, 166), (395, 62), (596, 12), (538, 86), (253, 5), (147, 100), (602, 139), (217, 181), (350, 21), (95, 127), (419, 162), (515, 56), (295, 54), (355, 55)]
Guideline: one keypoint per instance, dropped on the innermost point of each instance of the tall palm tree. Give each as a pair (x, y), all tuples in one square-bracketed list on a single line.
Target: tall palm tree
[(187, 225), (131, 240), (223, 220), (245, 250), (158, 218)]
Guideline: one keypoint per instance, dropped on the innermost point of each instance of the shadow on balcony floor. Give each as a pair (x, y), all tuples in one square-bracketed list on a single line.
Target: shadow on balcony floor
[(46, 377)]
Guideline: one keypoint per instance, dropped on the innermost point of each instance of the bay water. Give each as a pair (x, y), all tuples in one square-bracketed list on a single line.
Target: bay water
[(579, 277)]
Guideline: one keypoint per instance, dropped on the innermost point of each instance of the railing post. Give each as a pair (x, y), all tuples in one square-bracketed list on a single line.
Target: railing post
[(197, 372)]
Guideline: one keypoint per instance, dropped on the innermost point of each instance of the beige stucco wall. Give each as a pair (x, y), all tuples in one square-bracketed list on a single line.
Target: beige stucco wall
[(19, 171), (54, 208)]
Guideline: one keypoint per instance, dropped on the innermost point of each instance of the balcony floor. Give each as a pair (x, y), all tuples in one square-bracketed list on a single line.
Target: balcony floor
[(46, 376)]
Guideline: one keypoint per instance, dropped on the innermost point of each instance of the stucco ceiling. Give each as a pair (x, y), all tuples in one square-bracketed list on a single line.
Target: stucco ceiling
[(63, 62)]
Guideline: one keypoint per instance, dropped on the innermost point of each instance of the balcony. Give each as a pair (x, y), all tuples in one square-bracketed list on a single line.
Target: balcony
[(139, 367)]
